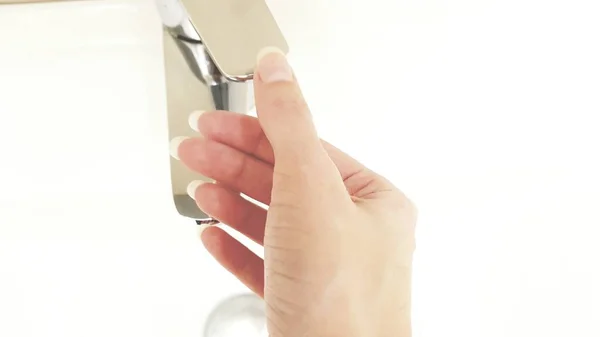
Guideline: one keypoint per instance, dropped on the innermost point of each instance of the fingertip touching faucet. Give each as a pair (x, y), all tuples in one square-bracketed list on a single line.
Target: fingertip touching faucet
[(210, 49)]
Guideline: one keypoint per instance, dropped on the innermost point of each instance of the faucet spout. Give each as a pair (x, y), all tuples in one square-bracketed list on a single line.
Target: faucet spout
[(210, 50), (196, 56)]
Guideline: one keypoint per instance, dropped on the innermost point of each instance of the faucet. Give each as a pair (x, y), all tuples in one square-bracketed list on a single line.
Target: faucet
[(210, 49)]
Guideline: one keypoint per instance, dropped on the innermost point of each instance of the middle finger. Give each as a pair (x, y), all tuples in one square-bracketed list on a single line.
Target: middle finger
[(228, 166)]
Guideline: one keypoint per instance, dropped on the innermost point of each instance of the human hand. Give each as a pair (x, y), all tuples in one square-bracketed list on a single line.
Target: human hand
[(338, 238)]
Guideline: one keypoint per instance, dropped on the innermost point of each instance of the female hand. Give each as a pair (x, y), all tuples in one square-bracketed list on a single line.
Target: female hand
[(338, 238)]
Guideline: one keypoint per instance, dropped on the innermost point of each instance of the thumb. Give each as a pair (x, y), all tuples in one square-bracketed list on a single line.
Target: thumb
[(282, 110), (287, 123)]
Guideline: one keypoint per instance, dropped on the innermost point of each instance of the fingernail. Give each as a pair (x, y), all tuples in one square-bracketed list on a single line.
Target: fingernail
[(272, 66), (193, 120), (201, 229), (174, 146), (192, 187)]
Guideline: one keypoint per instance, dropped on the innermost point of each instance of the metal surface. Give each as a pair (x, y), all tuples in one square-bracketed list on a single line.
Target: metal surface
[(234, 31), (210, 50)]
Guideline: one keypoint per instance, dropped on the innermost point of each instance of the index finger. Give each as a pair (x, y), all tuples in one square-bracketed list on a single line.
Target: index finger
[(244, 133)]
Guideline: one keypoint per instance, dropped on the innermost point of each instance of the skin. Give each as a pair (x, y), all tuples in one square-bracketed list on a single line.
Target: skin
[(338, 237)]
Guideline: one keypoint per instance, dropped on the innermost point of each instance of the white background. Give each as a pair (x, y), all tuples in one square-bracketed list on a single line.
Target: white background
[(484, 112)]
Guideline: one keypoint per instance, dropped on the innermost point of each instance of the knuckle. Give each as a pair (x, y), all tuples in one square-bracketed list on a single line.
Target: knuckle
[(294, 104), (239, 169)]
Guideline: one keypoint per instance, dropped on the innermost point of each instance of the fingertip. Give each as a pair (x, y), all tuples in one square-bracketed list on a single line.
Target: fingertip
[(201, 229), (266, 51), (211, 237), (174, 146), (192, 187), (272, 66), (208, 233), (193, 120)]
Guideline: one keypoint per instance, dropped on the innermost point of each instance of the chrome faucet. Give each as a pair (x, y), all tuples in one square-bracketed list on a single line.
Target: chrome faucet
[(210, 49)]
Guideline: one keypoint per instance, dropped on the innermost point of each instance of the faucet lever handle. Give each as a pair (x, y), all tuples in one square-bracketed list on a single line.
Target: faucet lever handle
[(233, 32)]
